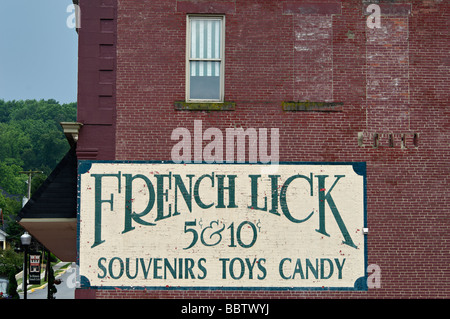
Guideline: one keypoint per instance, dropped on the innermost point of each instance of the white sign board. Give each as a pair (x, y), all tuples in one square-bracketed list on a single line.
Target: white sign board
[(221, 226)]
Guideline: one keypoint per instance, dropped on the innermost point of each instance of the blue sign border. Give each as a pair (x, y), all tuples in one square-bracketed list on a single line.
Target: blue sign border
[(360, 168)]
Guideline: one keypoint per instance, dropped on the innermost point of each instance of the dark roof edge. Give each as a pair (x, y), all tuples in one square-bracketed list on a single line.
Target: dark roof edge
[(27, 210)]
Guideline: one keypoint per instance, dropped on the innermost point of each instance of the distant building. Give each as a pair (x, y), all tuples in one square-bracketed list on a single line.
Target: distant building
[(3, 242)]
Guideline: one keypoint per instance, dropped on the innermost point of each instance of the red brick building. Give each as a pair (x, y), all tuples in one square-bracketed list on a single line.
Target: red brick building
[(339, 81)]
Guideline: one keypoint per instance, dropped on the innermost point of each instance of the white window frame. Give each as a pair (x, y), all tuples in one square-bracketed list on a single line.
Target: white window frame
[(191, 17)]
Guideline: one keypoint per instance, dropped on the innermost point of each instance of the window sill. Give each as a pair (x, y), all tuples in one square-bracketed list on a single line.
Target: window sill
[(307, 106), (204, 106)]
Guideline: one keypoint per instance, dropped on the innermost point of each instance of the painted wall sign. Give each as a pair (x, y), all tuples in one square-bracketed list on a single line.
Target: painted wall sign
[(222, 226)]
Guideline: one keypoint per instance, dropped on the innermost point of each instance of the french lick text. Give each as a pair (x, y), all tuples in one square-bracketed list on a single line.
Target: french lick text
[(173, 188)]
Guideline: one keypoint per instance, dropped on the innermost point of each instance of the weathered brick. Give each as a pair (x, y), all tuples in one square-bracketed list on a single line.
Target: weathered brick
[(391, 85)]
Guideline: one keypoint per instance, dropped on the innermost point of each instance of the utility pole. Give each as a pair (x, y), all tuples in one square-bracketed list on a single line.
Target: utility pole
[(30, 173)]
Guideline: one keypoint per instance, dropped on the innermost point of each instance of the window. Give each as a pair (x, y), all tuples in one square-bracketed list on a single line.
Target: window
[(205, 59)]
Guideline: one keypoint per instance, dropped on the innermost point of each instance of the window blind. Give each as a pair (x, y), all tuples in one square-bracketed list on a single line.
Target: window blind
[(205, 50)]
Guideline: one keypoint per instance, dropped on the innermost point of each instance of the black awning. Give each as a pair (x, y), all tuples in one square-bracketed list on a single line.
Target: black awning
[(50, 215), (57, 196)]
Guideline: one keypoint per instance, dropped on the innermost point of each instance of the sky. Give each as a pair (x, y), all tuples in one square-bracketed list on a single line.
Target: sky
[(38, 50)]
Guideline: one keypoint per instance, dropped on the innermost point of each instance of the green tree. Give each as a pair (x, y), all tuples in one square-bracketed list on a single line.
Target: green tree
[(14, 143), (51, 284), (12, 287), (31, 135), (11, 180), (10, 261), (31, 138)]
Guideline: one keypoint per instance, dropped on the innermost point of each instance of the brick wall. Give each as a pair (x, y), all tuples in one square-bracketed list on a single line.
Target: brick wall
[(392, 86)]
